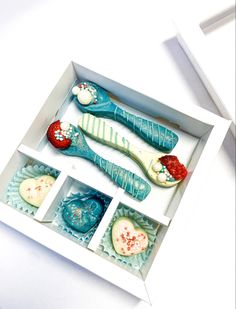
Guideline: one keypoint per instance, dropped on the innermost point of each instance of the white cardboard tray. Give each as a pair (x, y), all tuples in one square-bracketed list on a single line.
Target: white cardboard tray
[(201, 134)]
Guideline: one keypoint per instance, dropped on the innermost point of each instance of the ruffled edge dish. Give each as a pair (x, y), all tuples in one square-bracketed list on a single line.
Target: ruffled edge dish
[(59, 223), (138, 260), (31, 171)]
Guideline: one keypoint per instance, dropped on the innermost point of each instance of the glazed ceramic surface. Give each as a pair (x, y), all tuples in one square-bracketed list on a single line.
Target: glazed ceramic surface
[(14, 197), (34, 190), (82, 212), (80, 228), (71, 142), (93, 99), (150, 162), (127, 239)]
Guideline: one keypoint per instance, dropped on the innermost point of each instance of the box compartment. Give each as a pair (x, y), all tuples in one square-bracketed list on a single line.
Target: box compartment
[(138, 265), (21, 167), (53, 213)]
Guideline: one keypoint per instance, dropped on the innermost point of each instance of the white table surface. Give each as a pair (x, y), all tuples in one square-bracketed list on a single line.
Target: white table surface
[(37, 41)]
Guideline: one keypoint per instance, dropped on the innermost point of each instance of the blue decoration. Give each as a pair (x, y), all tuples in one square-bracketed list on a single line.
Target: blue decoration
[(91, 98), (60, 225), (82, 212), (130, 182)]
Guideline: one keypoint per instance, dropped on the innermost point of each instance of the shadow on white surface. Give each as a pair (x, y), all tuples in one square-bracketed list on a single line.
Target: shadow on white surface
[(63, 285), (12, 9), (200, 93), (189, 75)]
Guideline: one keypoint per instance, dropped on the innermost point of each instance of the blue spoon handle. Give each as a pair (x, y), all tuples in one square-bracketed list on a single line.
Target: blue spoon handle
[(71, 142), (131, 183), (153, 133), (125, 179)]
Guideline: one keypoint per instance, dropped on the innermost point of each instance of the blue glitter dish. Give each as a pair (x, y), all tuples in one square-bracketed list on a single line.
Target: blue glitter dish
[(82, 214), (90, 206)]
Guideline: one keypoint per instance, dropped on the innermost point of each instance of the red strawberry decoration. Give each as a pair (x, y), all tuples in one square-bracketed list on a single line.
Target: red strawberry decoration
[(175, 168), (56, 138)]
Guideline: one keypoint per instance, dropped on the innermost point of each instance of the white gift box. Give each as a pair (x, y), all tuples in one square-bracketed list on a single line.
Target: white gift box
[(210, 46), (200, 132)]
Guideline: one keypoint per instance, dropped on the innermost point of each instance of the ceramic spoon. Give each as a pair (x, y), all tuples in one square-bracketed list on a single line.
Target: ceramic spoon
[(163, 170), (71, 142), (93, 99)]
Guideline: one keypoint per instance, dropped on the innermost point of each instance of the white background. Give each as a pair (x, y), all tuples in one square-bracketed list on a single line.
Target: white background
[(133, 41)]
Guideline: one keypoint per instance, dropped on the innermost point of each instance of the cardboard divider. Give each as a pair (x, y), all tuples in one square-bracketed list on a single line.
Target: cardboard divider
[(95, 241), (37, 155), (45, 212), (66, 186), (52, 211)]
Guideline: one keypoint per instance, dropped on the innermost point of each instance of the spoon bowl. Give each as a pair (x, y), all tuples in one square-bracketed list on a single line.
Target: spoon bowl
[(93, 99)]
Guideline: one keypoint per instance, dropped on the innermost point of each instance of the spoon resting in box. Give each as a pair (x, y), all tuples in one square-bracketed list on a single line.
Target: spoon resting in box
[(93, 99), (70, 141), (163, 170)]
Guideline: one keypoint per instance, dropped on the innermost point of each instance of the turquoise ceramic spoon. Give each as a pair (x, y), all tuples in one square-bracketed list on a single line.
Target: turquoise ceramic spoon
[(71, 142), (163, 170), (93, 99)]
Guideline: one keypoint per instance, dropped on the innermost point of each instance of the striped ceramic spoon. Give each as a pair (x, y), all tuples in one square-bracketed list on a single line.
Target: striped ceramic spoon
[(163, 170)]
